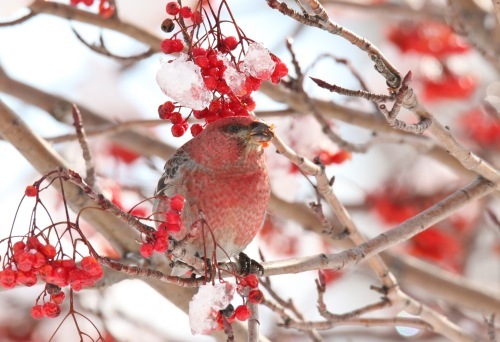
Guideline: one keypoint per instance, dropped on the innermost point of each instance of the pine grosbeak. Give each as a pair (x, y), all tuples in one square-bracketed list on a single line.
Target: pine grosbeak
[(223, 177)]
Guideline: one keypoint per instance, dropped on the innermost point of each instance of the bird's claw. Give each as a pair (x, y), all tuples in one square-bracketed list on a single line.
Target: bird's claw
[(248, 265)]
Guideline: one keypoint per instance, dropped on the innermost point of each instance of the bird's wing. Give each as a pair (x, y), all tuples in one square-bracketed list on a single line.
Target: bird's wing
[(167, 183)]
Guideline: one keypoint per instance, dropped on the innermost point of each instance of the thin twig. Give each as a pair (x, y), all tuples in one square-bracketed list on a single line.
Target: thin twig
[(82, 140)]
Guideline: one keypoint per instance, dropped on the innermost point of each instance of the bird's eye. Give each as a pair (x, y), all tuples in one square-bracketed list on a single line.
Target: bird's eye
[(233, 129)]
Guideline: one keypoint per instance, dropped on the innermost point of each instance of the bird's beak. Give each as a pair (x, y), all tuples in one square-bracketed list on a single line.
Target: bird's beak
[(261, 134)]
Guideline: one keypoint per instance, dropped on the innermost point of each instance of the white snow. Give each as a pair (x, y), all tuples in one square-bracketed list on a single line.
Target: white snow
[(234, 79), (205, 305), (11, 7), (181, 80), (258, 62)]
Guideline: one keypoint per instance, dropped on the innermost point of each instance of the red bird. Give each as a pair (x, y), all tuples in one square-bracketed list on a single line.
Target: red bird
[(223, 177)]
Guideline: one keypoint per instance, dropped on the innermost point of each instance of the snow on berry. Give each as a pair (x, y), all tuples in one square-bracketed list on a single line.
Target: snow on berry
[(235, 79), (181, 80), (258, 62), (205, 306)]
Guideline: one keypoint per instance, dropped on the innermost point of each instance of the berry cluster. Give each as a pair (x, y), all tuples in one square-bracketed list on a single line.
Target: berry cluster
[(443, 243), (106, 9), (247, 288), (227, 77), (430, 38), (438, 41), (483, 127), (31, 260), (171, 225)]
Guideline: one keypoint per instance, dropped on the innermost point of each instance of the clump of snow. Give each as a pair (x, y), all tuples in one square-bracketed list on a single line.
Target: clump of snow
[(181, 80), (234, 79), (258, 62), (205, 306), (12, 7)]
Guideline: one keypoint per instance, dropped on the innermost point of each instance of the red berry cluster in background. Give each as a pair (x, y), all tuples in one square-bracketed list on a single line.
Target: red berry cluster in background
[(30, 260), (428, 38), (211, 51), (171, 225), (327, 158), (483, 127), (438, 41), (105, 9), (443, 243), (449, 86)]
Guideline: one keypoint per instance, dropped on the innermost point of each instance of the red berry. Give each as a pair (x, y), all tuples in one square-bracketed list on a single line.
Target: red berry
[(165, 110), (160, 245), (255, 296), (186, 12), (88, 2), (176, 118), (40, 260), (106, 10), (33, 242), (51, 310), (177, 202), (174, 227), (8, 278), (201, 61), (18, 246), (37, 312), (26, 278), (49, 251), (45, 272), (252, 280), (58, 298), (198, 51), (210, 82), (200, 114), (173, 8), (242, 312), (91, 265), (60, 277), (231, 42), (172, 45), (248, 103), (173, 218), (69, 264), (31, 191), (197, 18), (196, 129), (178, 130), (146, 250), (252, 84), (222, 87), (26, 261), (280, 70)]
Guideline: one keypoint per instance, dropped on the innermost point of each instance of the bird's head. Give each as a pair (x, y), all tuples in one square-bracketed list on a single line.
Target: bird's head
[(233, 142)]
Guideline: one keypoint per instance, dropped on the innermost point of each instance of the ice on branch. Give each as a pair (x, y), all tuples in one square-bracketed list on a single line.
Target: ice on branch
[(181, 80), (234, 79), (258, 62), (206, 304)]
